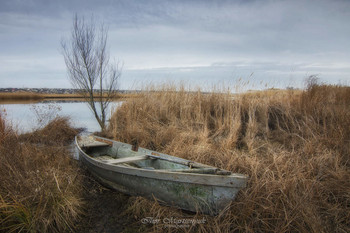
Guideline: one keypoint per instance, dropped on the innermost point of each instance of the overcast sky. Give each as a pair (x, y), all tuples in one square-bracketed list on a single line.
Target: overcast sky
[(272, 43)]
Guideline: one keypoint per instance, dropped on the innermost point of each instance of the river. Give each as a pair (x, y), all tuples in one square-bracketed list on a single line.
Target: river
[(28, 116)]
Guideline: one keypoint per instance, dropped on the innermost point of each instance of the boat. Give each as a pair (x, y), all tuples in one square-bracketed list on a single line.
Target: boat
[(170, 180)]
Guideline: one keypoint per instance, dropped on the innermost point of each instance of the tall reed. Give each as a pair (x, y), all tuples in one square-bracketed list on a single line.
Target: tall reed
[(294, 145)]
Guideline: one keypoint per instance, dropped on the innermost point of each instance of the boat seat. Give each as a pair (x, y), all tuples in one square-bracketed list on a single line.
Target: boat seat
[(94, 144), (127, 159), (104, 157)]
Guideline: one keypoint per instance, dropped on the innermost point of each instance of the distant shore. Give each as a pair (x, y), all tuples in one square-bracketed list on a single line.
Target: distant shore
[(51, 90), (37, 94)]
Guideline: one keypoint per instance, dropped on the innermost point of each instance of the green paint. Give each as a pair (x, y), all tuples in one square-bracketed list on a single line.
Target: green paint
[(197, 191), (178, 189)]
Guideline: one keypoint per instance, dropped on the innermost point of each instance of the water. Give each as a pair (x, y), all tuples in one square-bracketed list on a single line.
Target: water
[(29, 116)]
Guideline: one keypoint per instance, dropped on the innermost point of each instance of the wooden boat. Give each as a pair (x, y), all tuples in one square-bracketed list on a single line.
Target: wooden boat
[(170, 180)]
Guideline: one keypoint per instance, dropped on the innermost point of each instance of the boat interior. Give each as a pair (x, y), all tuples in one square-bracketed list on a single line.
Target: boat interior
[(117, 153)]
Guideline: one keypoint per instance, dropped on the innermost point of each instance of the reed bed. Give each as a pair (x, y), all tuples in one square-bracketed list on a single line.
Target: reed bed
[(20, 96), (39, 183), (25, 96), (29, 96), (294, 146)]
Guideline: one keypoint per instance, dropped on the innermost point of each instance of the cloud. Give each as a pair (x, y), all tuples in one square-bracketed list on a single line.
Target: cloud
[(194, 40)]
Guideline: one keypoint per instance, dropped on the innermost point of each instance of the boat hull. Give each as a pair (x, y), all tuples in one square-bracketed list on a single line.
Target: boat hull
[(193, 192)]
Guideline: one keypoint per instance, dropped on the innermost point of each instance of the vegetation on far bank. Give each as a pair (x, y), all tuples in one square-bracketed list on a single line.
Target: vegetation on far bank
[(294, 146), (25, 96)]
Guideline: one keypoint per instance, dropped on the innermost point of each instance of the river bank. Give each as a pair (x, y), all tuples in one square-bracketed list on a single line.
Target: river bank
[(40, 183), (43, 189)]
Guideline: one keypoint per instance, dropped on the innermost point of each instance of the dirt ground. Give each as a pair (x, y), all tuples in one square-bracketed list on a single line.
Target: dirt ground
[(103, 210)]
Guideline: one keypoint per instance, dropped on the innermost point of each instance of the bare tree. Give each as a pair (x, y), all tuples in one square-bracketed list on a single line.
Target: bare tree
[(89, 67)]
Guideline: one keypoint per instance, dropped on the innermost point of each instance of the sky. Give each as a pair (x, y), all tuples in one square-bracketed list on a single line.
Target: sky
[(255, 44)]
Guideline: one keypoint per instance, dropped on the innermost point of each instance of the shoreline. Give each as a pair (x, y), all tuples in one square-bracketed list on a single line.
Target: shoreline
[(30, 97)]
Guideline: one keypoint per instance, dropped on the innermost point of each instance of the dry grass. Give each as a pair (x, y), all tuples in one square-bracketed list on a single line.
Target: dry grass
[(29, 96), (56, 133), (39, 183), (20, 96), (294, 146)]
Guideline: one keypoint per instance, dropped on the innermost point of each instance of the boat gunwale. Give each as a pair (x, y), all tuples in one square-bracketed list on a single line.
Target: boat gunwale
[(235, 180)]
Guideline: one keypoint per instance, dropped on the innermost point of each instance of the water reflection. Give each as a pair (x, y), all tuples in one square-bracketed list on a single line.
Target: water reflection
[(24, 116)]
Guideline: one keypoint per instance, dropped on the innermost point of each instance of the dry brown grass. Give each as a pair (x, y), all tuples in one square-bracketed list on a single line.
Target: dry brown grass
[(20, 96), (56, 133), (39, 183), (294, 146), (29, 96)]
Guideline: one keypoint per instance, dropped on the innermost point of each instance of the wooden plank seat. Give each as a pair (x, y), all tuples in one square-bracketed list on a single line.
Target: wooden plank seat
[(126, 159), (94, 144)]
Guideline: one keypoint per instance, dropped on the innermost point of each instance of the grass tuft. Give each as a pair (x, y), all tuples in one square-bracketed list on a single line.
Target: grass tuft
[(39, 183), (57, 132)]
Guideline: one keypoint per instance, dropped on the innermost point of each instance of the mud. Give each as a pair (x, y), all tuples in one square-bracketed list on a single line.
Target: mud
[(103, 210)]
